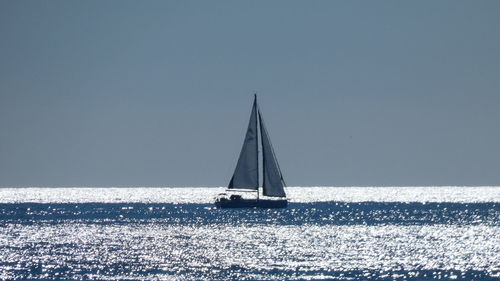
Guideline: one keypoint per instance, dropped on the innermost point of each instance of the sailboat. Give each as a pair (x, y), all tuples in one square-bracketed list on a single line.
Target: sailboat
[(246, 174)]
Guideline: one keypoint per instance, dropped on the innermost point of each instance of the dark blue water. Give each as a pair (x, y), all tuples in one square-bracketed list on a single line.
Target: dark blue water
[(318, 213)]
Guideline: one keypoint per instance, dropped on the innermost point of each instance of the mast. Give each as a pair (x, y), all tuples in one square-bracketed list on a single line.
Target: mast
[(257, 140)]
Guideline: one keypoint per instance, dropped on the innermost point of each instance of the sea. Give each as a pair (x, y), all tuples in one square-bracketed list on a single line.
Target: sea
[(176, 233)]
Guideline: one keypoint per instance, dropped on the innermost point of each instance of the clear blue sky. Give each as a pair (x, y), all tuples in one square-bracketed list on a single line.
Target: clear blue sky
[(158, 93)]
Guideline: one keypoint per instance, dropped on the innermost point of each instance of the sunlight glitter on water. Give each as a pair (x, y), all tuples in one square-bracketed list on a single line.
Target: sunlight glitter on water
[(341, 233), (206, 195), (192, 252)]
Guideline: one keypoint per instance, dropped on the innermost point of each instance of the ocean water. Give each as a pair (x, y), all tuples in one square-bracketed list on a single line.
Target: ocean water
[(326, 233)]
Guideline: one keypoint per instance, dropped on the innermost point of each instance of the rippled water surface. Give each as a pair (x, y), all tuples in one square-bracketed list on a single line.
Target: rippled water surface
[(340, 233)]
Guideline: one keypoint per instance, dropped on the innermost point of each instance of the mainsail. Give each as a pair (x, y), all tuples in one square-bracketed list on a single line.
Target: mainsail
[(246, 174), (273, 184)]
